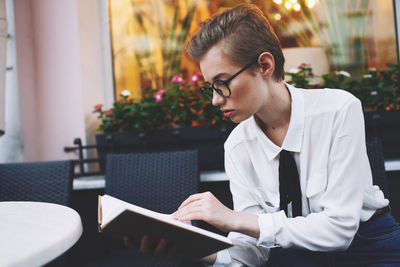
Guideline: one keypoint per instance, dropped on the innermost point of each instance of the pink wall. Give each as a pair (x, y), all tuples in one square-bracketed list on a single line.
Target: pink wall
[(27, 81), (50, 77)]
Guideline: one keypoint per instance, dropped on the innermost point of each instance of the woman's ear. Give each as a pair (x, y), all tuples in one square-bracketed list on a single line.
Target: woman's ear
[(266, 62)]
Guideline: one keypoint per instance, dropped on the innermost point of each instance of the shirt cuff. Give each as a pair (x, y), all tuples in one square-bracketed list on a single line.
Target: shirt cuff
[(223, 258), (267, 236)]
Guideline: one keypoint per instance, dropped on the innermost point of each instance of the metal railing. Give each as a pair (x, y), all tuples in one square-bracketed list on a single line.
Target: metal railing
[(81, 162)]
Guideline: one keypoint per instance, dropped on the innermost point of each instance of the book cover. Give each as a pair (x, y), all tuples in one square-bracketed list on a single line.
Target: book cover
[(121, 218)]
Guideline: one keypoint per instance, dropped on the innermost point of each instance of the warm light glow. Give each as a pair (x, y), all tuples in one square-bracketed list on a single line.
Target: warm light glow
[(139, 46), (311, 3), (278, 2), (288, 5), (293, 1), (296, 7), (277, 16)]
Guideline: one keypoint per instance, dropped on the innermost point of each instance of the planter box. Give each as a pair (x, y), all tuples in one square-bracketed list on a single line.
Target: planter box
[(208, 140), (386, 126)]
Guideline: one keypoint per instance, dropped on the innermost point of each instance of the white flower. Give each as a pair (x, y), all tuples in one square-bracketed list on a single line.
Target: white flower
[(125, 93), (367, 75), (344, 73), (374, 92), (294, 71)]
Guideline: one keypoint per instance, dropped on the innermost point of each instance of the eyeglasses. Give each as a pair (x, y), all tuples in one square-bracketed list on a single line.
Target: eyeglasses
[(221, 86)]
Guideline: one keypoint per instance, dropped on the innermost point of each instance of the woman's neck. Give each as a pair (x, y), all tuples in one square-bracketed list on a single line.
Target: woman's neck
[(274, 117)]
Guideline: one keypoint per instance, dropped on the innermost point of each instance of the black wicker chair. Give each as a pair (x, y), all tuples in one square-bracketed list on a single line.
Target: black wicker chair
[(159, 181), (37, 181), (377, 162)]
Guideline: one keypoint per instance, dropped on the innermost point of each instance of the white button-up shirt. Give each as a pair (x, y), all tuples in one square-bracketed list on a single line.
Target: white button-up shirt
[(326, 134)]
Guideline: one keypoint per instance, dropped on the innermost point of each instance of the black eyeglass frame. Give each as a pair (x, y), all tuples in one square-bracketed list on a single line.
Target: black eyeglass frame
[(210, 86)]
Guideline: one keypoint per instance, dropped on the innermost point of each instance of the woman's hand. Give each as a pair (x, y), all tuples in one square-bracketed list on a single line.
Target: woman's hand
[(202, 206), (161, 249), (206, 207)]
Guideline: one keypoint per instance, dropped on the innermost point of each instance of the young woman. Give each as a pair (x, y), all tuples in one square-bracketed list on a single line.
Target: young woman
[(297, 163)]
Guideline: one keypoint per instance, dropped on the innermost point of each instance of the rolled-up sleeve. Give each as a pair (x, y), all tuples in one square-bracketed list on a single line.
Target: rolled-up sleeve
[(223, 258), (267, 236), (244, 253)]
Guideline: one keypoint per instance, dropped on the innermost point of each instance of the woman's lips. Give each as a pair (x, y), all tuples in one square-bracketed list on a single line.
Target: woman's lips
[(228, 113)]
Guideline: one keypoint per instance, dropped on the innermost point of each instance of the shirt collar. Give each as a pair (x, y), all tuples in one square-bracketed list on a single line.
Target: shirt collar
[(294, 136)]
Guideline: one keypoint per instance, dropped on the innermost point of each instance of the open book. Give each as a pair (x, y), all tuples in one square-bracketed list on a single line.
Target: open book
[(122, 218)]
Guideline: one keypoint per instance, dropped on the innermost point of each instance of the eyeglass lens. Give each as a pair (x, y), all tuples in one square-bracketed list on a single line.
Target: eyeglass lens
[(219, 86)]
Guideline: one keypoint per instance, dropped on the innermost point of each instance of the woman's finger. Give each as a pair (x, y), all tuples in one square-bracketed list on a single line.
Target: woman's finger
[(189, 213), (145, 244), (160, 249), (188, 209), (190, 199)]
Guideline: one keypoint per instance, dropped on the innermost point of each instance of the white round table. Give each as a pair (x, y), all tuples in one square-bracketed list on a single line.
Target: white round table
[(34, 233)]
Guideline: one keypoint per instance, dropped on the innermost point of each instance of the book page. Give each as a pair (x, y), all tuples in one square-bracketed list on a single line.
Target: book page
[(112, 207)]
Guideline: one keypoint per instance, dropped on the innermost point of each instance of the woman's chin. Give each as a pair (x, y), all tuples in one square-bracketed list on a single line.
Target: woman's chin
[(238, 119)]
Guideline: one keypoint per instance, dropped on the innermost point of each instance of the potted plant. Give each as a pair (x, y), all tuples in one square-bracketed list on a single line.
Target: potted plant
[(173, 118), (379, 93)]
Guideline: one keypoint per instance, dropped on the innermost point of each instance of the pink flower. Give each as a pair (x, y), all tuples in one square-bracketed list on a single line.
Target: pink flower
[(109, 112), (158, 95), (98, 107), (303, 65), (177, 79), (194, 78)]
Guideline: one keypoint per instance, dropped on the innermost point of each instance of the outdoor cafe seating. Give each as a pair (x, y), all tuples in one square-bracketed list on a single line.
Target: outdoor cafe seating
[(100, 97), (37, 225), (159, 181)]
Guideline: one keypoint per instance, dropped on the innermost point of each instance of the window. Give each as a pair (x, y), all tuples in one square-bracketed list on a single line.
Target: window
[(148, 37)]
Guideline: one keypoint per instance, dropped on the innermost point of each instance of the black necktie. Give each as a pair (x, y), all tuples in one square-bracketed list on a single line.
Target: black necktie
[(289, 183)]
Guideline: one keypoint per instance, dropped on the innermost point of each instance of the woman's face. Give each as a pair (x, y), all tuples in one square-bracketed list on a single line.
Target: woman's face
[(246, 90)]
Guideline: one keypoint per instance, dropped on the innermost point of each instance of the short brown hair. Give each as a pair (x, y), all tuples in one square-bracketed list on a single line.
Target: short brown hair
[(246, 30)]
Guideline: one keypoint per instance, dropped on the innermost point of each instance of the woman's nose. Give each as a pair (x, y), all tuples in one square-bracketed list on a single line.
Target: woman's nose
[(217, 99)]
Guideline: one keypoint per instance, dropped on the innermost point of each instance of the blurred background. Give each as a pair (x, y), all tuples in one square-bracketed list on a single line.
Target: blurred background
[(64, 57), (79, 76)]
